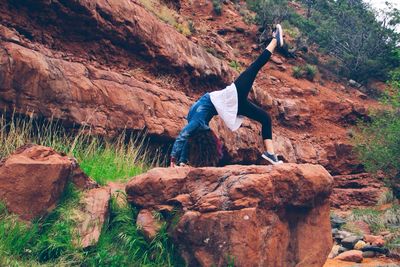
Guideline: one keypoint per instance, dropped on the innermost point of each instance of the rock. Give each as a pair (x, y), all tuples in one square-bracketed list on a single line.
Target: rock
[(264, 202), (149, 225), (359, 245), (368, 254), (105, 100), (33, 179), (155, 41), (334, 252), (350, 241), (355, 190), (336, 221), (363, 227), (374, 240), (81, 180), (284, 147), (305, 152), (353, 83), (351, 255), (294, 113), (376, 249), (276, 60), (117, 192), (342, 249), (90, 216), (345, 111)]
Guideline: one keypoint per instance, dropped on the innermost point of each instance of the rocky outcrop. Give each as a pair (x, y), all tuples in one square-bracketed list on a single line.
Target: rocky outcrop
[(120, 25), (355, 190), (32, 180), (90, 215), (255, 215)]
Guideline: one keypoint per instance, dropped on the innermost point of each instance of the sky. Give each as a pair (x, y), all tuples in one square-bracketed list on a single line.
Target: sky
[(381, 3)]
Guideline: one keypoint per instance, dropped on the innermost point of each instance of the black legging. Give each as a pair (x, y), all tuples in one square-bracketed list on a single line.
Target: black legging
[(243, 85)]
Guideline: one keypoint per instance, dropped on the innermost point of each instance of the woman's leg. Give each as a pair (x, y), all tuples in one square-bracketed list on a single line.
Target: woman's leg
[(246, 79), (254, 112)]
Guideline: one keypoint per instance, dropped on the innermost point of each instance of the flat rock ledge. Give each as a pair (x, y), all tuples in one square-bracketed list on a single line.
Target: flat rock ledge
[(249, 215)]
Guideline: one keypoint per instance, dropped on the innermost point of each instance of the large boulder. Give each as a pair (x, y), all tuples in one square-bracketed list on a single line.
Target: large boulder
[(33, 179), (254, 215)]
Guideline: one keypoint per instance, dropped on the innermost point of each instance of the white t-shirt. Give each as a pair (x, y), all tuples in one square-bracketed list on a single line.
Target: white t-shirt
[(225, 102)]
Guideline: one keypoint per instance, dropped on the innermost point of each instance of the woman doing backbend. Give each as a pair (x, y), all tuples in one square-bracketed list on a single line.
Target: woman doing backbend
[(197, 144)]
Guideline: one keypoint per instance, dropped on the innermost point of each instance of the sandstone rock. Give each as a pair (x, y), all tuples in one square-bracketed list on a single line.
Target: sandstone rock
[(305, 152), (90, 215), (374, 240), (334, 252), (127, 26), (149, 225), (32, 180), (81, 180), (350, 241), (294, 113), (284, 147), (363, 227), (265, 202), (359, 245), (351, 255), (356, 190), (368, 254)]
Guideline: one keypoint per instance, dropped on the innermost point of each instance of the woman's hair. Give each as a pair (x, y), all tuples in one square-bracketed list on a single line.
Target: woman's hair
[(204, 149)]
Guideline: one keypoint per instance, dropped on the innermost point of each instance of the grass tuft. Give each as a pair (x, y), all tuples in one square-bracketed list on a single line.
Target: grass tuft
[(102, 159)]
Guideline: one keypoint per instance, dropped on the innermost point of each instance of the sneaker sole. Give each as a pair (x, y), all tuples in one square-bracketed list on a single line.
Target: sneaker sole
[(280, 37), (269, 160)]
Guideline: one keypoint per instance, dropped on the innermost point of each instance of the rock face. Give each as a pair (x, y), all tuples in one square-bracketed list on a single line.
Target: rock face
[(33, 179), (90, 215), (355, 190), (256, 215)]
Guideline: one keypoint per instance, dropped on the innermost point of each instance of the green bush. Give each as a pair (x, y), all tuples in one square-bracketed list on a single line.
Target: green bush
[(310, 71), (297, 72), (235, 65), (378, 143), (217, 7)]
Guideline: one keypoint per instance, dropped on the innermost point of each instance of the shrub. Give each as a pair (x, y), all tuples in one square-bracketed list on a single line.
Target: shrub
[(378, 143), (235, 65), (217, 7), (297, 72), (310, 71)]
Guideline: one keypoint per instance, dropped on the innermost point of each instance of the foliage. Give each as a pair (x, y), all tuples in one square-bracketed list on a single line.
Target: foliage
[(217, 7), (363, 46), (297, 72), (102, 159), (308, 71), (235, 65), (378, 143)]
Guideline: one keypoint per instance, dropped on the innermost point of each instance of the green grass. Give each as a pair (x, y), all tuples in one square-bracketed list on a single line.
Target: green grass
[(102, 159), (53, 240), (50, 241)]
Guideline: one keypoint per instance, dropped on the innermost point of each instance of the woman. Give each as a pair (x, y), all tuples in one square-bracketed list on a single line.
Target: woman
[(197, 144)]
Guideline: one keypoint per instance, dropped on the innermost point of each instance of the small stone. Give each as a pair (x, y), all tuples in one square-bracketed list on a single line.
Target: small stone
[(337, 222), (246, 217), (148, 223), (342, 249), (368, 254), (350, 241), (383, 233), (351, 255), (353, 83), (359, 245), (375, 240), (334, 252), (376, 249), (334, 231)]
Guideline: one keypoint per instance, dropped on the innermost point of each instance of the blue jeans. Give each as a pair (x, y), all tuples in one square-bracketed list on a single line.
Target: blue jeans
[(199, 116)]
